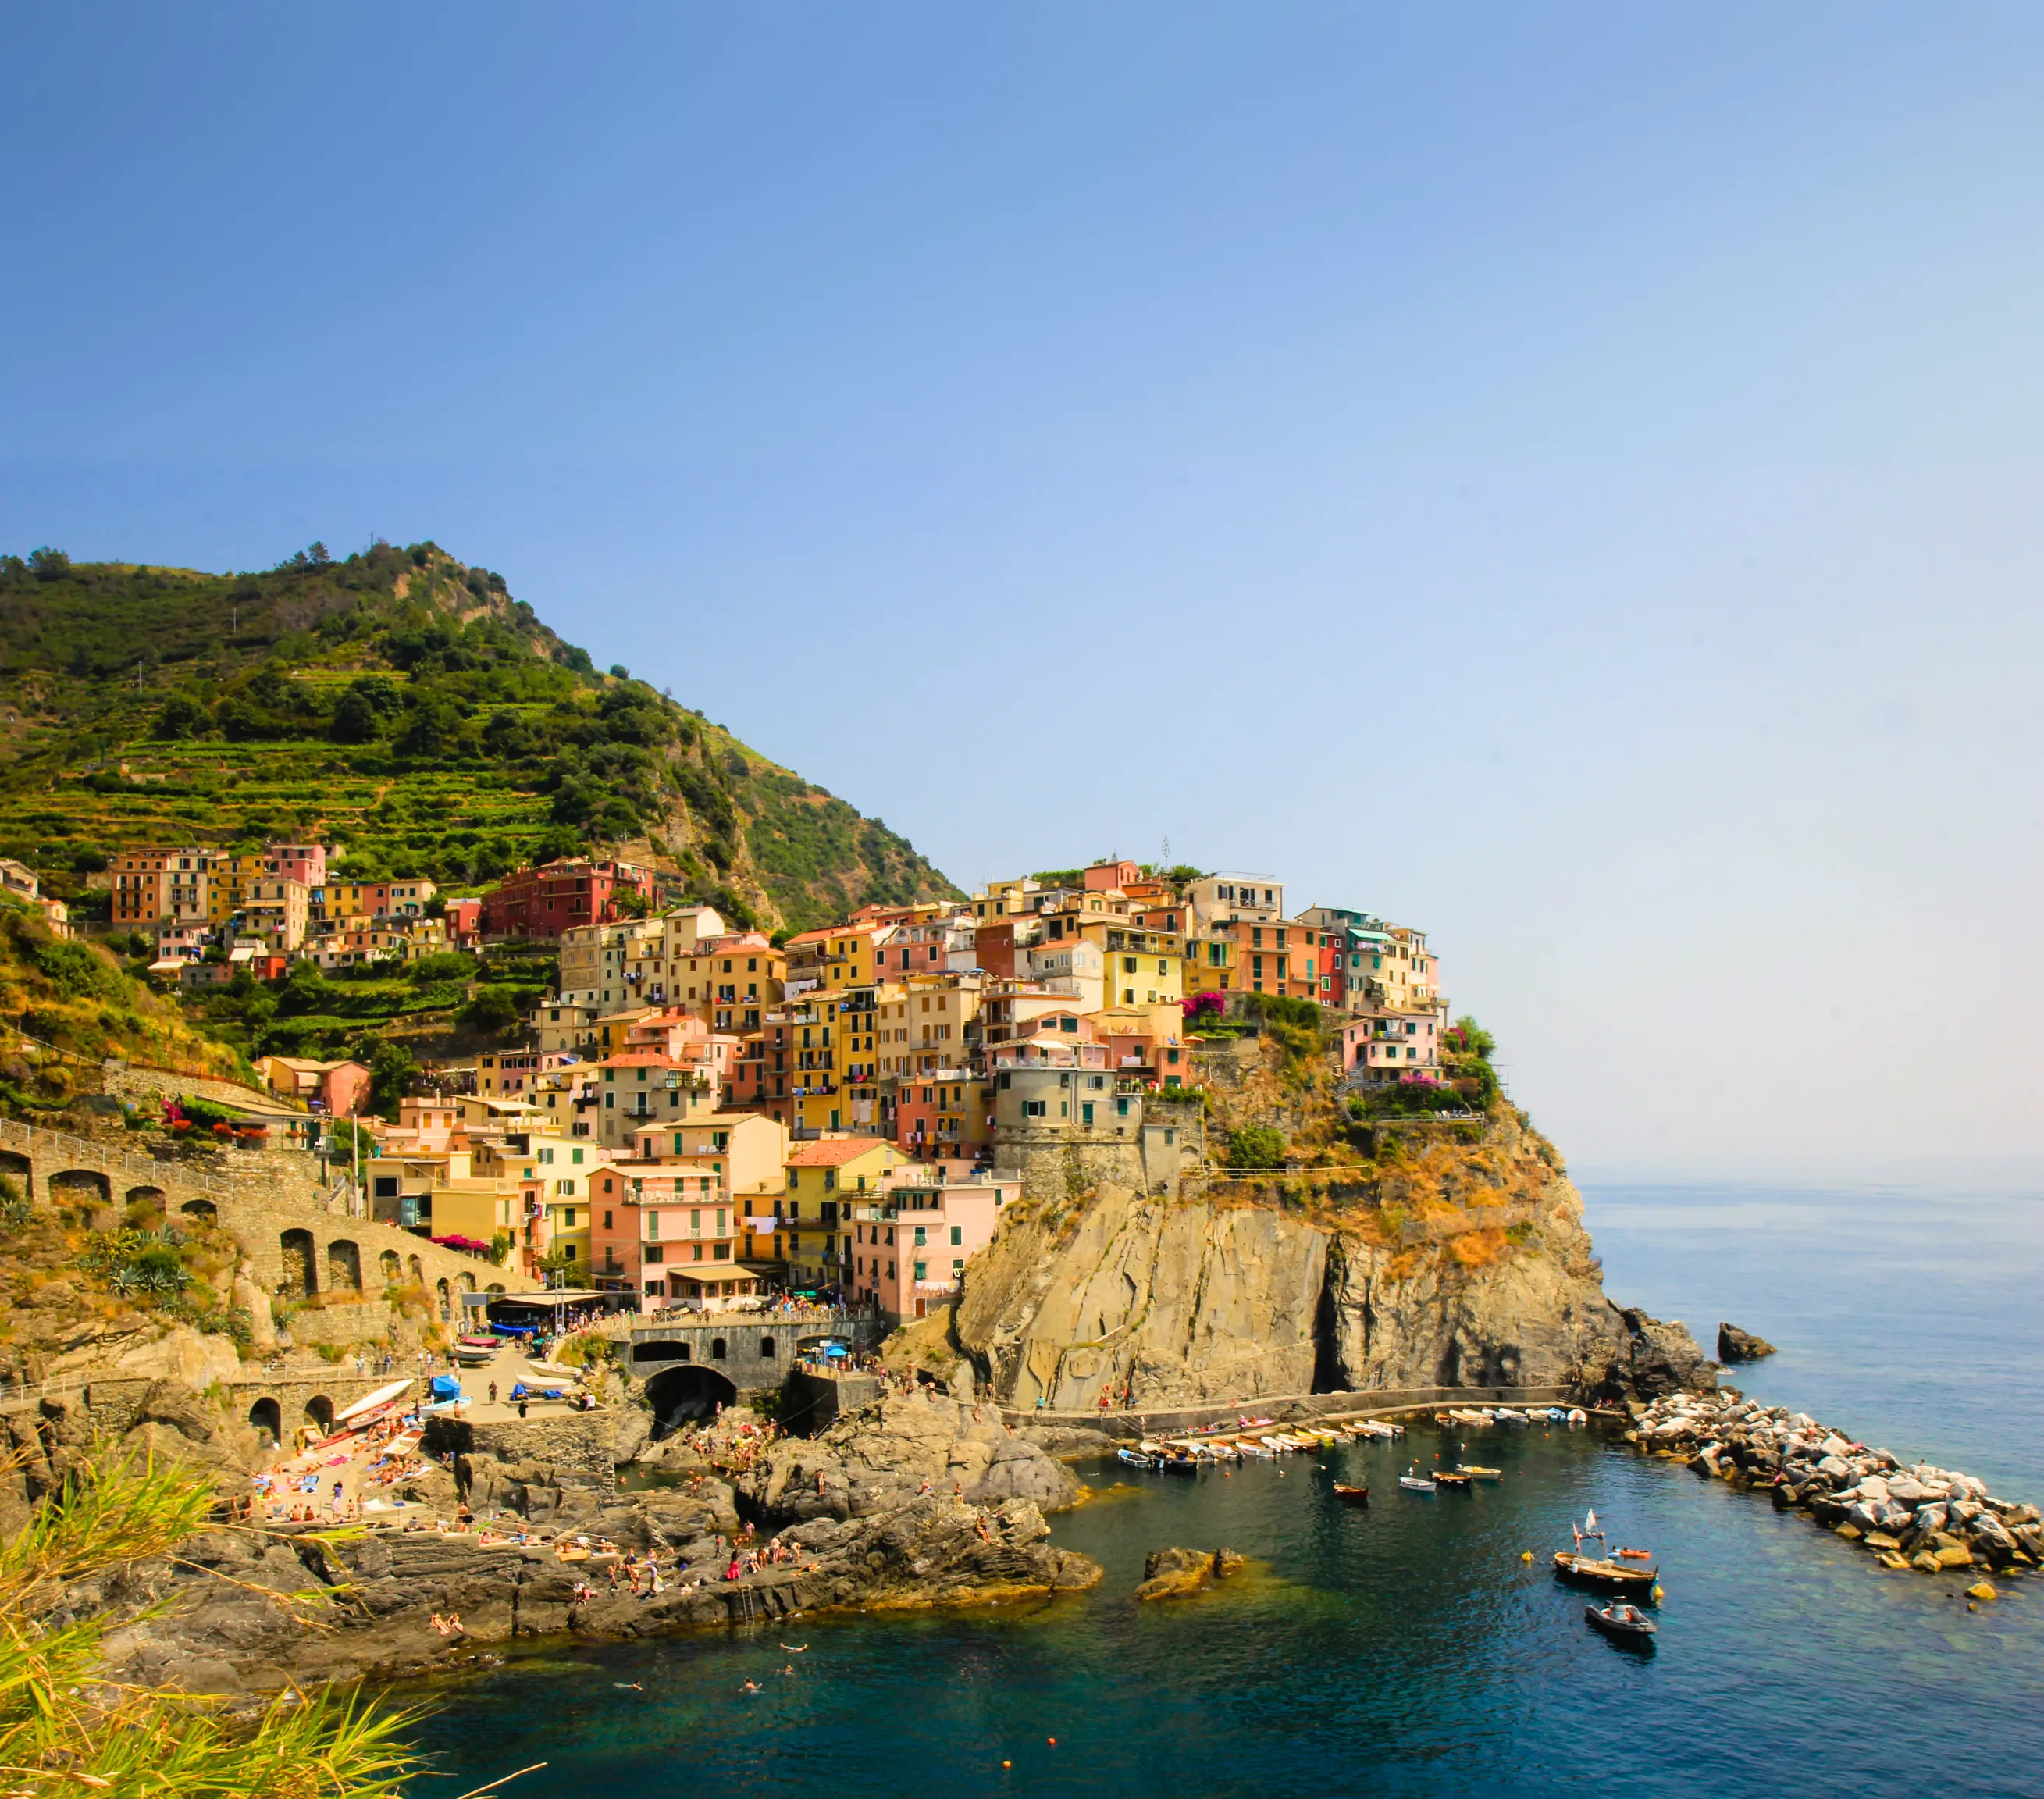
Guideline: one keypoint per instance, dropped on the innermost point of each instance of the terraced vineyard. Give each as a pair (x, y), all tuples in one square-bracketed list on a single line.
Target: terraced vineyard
[(403, 706)]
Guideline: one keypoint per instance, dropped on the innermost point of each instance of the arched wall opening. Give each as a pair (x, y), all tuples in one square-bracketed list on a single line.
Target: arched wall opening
[(677, 1395)]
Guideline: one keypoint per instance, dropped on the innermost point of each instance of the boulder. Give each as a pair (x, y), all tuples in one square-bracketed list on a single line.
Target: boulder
[(1173, 1573), (1736, 1345)]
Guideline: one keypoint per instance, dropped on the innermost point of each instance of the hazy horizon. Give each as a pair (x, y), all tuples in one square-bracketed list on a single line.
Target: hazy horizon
[(1565, 478)]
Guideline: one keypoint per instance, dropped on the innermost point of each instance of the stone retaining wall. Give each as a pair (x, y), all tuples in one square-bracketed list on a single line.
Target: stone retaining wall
[(142, 1085)]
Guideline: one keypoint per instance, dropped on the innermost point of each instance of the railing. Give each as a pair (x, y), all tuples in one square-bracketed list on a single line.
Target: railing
[(83, 1150)]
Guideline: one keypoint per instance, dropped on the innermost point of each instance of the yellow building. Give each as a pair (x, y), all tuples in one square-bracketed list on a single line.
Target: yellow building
[(823, 1181), (556, 1171), (229, 878), (813, 1064), (847, 959), (1142, 967)]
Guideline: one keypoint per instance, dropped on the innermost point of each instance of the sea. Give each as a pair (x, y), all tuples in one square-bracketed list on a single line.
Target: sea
[(1407, 1647)]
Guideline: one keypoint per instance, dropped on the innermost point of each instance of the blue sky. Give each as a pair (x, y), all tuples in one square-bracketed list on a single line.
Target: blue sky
[(1565, 476)]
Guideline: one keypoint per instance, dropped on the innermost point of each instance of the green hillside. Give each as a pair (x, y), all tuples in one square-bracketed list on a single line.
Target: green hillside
[(401, 703)]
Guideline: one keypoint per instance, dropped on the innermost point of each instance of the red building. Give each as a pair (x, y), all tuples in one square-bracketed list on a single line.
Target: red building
[(545, 902)]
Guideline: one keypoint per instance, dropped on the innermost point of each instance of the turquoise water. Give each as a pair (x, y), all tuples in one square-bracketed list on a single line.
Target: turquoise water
[(1407, 1649)]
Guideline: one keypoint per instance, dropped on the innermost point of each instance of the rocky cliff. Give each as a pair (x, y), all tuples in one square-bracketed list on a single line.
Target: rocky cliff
[(1460, 1261)]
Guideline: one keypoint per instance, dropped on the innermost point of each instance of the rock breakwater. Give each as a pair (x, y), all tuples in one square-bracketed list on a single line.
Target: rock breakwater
[(1915, 1516)]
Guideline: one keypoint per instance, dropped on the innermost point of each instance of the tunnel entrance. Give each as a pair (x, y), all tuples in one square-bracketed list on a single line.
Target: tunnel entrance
[(677, 1395)]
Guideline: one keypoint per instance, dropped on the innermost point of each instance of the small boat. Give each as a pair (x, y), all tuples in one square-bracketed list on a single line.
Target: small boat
[(1180, 1464), (1249, 1446), (1592, 1570), (1459, 1482), (1414, 1481), (1477, 1474), (1637, 1554), (1578, 1416), (1622, 1624), (1462, 1415), (1136, 1459), (472, 1352), (1352, 1495), (1505, 1415)]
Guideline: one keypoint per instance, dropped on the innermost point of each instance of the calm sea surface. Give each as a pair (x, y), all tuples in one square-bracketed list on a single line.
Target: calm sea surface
[(1407, 1649)]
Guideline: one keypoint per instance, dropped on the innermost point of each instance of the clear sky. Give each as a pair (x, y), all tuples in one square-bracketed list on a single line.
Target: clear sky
[(1564, 476)]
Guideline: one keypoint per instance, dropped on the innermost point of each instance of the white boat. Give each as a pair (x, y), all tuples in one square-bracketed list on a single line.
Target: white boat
[(1416, 1483), (383, 1396), (1249, 1446), (1505, 1415), (1462, 1415), (1579, 1416)]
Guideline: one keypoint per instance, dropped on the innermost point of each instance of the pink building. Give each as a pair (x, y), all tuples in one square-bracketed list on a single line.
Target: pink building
[(464, 921), (668, 1231), (1386, 1046), (909, 1251), (304, 863)]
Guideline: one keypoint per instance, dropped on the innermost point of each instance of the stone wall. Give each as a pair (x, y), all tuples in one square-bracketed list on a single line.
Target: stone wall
[(815, 1402), (144, 1086), (342, 1323), (1113, 1428)]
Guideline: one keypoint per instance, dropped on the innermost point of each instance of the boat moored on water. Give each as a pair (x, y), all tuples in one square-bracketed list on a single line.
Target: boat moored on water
[(1477, 1474), (1600, 1572), (1413, 1480), (1622, 1624), (1136, 1459), (1351, 1495), (1507, 1415), (1454, 1481)]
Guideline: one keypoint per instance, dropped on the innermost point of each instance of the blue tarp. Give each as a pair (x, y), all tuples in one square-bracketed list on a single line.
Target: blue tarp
[(446, 1386)]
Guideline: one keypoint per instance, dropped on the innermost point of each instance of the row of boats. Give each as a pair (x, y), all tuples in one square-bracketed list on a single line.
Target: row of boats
[(1250, 1439), (1480, 1415)]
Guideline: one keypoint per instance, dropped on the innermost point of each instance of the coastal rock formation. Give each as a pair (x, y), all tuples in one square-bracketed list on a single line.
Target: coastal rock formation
[(903, 1447), (1920, 1517), (1473, 1270), (912, 1501), (1173, 1573), (1736, 1345)]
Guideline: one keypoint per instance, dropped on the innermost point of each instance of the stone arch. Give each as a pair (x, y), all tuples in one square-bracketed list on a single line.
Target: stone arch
[(266, 1418), (343, 1265), (152, 1196), (467, 1283), (418, 1272), (694, 1392), (446, 1297), (300, 1261), (660, 1352), (319, 1411), (80, 1186), (201, 1211), (19, 1168), (392, 1270), (496, 1287)]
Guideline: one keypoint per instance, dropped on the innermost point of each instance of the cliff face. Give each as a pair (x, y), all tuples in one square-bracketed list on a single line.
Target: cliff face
[(1469, 1266)]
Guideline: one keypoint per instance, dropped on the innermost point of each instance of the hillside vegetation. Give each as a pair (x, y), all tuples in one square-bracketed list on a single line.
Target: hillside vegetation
[(73, 1006), (403, 704)]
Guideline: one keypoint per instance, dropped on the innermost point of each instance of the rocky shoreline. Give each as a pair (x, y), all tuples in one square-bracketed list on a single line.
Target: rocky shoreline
[(1918, 1517), (914, 1501)]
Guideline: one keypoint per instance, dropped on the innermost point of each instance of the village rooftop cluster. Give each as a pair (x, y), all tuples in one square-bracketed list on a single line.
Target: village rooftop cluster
[(701, 1116)]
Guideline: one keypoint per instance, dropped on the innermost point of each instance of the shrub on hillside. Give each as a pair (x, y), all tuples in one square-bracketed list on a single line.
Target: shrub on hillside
[(1256, 1146)]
